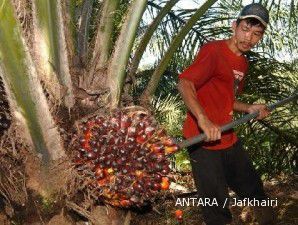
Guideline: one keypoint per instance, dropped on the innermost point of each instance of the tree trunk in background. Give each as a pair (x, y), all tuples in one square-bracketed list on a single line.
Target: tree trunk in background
[(122, 51), (51, 49), (83, 33), (94, 79)]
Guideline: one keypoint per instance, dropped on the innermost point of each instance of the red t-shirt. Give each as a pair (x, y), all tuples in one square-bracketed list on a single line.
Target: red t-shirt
[(214, 73)]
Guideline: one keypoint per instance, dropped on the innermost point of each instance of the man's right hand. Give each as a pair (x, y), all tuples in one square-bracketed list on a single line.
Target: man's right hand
[(188, 92), (211, 130)]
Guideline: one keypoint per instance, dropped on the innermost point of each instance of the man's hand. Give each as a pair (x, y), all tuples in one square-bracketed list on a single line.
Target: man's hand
[(211, 130), (263, 110)]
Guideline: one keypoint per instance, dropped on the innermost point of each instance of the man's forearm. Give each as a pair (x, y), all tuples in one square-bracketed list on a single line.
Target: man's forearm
[(187, 91), (241, 106)]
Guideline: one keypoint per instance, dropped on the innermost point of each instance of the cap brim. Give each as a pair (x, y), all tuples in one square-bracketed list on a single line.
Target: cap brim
[(254, 16)]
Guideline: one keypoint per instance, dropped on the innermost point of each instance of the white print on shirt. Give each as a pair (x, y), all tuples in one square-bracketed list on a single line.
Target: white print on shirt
[(238, 75)]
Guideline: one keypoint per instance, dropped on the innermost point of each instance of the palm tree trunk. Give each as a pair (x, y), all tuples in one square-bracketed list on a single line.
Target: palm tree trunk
[(103, 46), (68, 9), (153, 83), (83, 33), (51, 50), (124, 44), (27, 100)]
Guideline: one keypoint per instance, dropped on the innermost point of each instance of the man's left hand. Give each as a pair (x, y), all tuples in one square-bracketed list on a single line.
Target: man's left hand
[(263, 110)]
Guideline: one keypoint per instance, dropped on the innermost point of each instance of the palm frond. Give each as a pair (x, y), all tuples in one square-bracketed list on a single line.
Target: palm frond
[(169, 112)]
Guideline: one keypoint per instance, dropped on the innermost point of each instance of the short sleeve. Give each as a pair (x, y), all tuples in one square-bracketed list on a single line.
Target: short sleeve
[(202, 69)]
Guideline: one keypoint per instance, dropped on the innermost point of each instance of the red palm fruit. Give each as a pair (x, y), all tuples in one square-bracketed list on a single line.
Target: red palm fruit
[(156, 148), (123, 158), (101, 159), (141, 125), (85, 128), (91, 155), (100, 140), (159, 157), (121, 140), (98, 120), (125, 122), (139, 165), (102, 182), (139, 173), (114, 120), (165, 184), (122, 131), (148, 184), (157, 177), (131, 131), (168, 141), (90, 123), (157, 167), (141, 138), (135, 152), (149, 131), (108, 171), (137, 187), (87, 134), (105, 125), (112, 179), (179, 215), (125, 203), (156, 186), (120, 162), (171, 149), (165, 169), (140, 132), (131, 140), (111, 140), (86, 146), (99, 173)]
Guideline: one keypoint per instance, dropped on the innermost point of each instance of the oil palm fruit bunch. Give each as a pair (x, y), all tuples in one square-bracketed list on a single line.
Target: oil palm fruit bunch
[(126, 155)]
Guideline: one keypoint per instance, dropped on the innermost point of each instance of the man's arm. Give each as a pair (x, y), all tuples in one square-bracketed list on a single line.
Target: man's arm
[(188, 93), (250, 108), (241, 106)]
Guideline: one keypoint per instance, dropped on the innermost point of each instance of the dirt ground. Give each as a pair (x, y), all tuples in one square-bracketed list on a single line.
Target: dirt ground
[(162, 212), (283, 190)]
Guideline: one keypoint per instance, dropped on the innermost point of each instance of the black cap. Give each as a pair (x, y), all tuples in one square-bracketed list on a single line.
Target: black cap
[(257, 11)]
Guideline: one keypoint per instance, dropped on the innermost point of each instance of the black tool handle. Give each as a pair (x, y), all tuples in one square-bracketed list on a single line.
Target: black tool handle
[(244, 119)]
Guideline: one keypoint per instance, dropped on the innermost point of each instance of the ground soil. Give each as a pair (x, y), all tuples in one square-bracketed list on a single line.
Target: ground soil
[(285, 190)]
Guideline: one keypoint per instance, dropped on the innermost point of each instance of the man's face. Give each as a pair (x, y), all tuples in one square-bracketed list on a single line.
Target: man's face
[(247, 36)]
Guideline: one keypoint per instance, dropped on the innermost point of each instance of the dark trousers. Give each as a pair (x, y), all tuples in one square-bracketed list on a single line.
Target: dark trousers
[(215, 171)]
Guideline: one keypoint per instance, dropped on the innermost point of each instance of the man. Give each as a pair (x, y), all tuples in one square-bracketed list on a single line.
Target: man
[(208, 88)]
